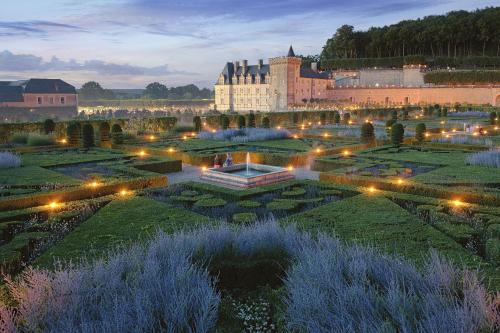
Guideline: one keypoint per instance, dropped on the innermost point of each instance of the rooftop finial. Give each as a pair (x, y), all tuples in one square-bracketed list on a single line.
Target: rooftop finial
[(290, 52)]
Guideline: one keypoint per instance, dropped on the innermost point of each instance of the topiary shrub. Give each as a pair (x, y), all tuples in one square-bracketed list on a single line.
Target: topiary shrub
[(35, 140), (322, 118), (19, 138), (388, 125), (49, 126), (116, 134), (397, 134), (88, 136), (240, 121), (284, 205), (493, 117), (394, 115), (336, 117), (183, 198), (347, 118), (197, 123), (244, 218), (189, 193), (73, 132), (265, 122), (367, 133), (420, 130), (249, 204), (210, 203), (492, 250), (251, 120), (330, 192), (294, 192)]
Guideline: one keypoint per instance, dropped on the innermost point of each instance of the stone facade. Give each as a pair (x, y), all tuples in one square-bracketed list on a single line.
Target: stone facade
[(271, 87)]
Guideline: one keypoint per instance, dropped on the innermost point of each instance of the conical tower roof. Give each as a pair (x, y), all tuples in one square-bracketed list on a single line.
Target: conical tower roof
[(290, 52)]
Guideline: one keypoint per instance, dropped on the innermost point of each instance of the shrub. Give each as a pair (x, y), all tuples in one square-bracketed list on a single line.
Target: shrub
[(9, 160), (347, 118), (444, 112), (388, 125), (397, 134), (88, 136), (251, 120), (210, 203), (265, 122), (420, 130), (493, 116), (73, 133), (116, 134), (249, 204), (20, 138), (40, 140), (336, 117), (197, 123), (489, 158), (462, 77), (243, 218), (394, 115), (240, 121), (282, 205), (294, 192), (246, 134), (49, 126), (224, 121), (183, 128), (367, 133), (492, 249)]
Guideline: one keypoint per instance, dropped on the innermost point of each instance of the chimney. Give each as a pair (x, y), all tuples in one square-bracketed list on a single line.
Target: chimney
[(261, 63), (244, 64), (314, 66), (236, 65)]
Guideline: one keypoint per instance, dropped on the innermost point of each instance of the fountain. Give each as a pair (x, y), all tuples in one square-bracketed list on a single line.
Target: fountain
[(247, 175)]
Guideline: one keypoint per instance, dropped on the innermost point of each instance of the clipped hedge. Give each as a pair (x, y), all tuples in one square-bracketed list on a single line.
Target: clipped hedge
[(243, 218), (249, 204), (462, 77)]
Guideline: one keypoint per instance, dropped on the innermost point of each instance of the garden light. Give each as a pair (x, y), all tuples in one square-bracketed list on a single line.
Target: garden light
[(346, 152), (325, 135), (442, 122), (152, 137), (350, 122), (278, 127), (443, 132), (485, 132), (496, 128), (123, 192), (371, 189), (94, 184), (142, 153), (63, 141), (399, 181), (213, 131), (454, 130), (302, 127), (54, 205), (184, 137), (475, 134), (319, 122), (171, 150), (457, 203), (203, 168), (295, 136), (318, 150)]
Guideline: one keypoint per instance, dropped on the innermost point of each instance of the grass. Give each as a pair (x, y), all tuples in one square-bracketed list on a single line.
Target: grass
[(59, 157), (119, 222), (34, 175)]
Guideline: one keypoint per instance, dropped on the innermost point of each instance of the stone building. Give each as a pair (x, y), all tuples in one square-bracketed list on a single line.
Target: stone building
[(269, 87), (22, 100)]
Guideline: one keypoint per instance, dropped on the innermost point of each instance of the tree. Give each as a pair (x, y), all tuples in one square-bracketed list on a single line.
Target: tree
[(347, 118), (240, 121), (367, 133), (49, 126), (265, 122), (93, 91), (73, 133), (88, 136), (251, 120), (493, 117), (156, 90), (197, 123), (116, 134), (336, 117), (420, 130), (397, 134), (224, 121)]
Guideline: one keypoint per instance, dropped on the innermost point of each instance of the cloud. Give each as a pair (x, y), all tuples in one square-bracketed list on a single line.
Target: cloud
[(35, 27), (10, 62)]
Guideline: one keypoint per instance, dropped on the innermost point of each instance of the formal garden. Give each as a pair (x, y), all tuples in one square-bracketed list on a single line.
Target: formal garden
[(391, 223)]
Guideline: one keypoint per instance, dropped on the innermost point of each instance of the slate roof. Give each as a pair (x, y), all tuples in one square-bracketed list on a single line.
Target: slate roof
[(12, 91), (290, 52), (229, 70), (309, 73)]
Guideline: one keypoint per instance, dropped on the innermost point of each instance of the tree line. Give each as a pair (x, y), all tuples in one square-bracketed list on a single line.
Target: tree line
[(455, 34), (94, 91)]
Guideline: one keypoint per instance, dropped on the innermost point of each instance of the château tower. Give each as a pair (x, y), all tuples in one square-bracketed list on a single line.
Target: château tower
[(285, 72)]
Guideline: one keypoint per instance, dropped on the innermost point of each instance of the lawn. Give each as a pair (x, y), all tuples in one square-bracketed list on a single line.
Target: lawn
[(120, 222), (34, 175)]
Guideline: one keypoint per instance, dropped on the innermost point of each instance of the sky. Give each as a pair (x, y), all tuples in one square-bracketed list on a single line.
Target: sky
[(130, 43)]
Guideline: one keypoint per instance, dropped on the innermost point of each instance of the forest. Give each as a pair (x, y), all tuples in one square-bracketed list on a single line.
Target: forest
[(457, 34)]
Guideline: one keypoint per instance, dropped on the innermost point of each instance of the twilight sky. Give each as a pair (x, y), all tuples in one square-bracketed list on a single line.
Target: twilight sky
[(129, 43)]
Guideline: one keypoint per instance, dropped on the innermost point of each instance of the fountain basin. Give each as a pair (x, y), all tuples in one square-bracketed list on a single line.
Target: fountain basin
[(247, 176)]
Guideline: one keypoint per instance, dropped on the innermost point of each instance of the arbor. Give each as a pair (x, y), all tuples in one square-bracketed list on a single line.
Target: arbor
[(73, 133), (88, 136), (240, 121), (322, 118), (251, 120), (197, 123), (116, 134), (265, 122), (156, 90), (49, 126), (336, 117), (420, 130), (224, 121), (367, 133), (397, 134)]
